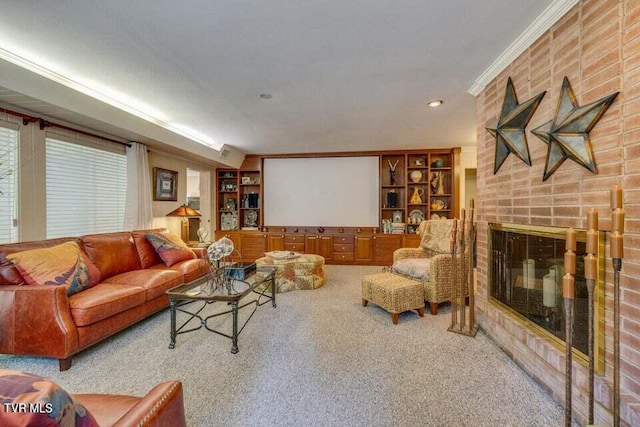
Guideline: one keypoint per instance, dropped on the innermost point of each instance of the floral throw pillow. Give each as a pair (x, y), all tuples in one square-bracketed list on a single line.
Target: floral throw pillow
[(30, 400), (170, 248), (64, 264)]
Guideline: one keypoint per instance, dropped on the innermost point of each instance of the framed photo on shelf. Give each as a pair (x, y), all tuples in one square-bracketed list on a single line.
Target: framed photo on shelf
[(165, 185), (246, 180)]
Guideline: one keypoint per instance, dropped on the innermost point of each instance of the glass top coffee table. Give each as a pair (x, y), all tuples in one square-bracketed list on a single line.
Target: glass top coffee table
[(221, 285)]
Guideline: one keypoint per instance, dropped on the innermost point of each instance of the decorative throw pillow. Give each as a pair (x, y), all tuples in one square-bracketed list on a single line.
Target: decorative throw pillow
[(437, 236), (416, 268), (64, 264), (170, 248), (30, 400)]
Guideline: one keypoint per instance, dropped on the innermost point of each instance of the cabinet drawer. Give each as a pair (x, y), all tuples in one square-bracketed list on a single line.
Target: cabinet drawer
[(293, 239), (342, 247), (294, 247), (342, 239), (343, 256)]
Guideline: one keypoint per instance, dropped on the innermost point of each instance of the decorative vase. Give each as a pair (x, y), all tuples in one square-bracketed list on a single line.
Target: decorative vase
[(440, 184), (416, 176), (416, 198), (202, 234)]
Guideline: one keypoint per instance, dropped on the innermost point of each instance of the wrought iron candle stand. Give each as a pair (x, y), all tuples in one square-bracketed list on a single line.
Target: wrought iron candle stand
[(568, 288), (462, 244), (617, 253), (591, 275)]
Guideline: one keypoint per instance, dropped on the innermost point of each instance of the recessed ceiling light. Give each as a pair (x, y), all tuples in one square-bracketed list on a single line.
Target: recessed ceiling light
[(266, 96), (435, 103)]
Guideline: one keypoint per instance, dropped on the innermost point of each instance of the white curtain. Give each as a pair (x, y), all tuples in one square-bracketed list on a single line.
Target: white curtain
[(138, 212)]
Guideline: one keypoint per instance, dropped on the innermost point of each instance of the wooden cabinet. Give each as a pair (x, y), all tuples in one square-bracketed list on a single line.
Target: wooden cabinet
[(294, 243), (363, 248), (411, 241), (275, 242), (319, 245), (413, 185), (383, 247), (343, 249), (254, 245)]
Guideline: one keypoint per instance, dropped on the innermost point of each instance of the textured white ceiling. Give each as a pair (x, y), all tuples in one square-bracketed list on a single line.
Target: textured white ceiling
[(345, 75)]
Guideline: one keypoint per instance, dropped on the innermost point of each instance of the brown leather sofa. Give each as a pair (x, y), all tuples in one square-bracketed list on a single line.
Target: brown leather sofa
[(162, 406), (43, 321)]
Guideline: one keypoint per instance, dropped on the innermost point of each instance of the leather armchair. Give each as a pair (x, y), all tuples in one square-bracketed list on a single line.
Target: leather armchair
[(162, 406)]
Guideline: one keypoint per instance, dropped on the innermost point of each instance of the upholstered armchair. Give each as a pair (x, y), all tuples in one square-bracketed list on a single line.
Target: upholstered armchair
[(430, 263)]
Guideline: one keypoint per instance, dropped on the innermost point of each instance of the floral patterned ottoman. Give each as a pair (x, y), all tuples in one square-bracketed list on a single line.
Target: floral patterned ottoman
[(303, 272)]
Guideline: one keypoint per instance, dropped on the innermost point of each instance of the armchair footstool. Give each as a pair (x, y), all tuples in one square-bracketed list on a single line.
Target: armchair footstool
[(394, 293)]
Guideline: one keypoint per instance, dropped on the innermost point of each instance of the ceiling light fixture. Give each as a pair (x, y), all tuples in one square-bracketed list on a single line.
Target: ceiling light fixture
[(435, 103), (266, 96)]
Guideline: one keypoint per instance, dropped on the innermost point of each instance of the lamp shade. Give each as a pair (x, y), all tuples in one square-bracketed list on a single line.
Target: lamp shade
[(184, 211)]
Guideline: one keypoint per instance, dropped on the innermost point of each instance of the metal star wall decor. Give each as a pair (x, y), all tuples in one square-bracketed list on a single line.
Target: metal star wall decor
[(509, 131), (568, 134)]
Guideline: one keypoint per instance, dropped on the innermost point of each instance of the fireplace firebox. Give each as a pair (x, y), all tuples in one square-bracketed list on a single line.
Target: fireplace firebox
[(526, 265)]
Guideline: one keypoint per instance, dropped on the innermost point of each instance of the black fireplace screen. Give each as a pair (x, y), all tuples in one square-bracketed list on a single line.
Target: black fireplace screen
[(526, 265)]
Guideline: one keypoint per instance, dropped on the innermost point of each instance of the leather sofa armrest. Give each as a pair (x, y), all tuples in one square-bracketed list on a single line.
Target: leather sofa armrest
[(200, 252), (404, 253), (163, 406), (36, 320)]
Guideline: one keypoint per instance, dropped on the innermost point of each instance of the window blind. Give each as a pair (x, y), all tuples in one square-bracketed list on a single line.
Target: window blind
[(8, 185), (86, 189)]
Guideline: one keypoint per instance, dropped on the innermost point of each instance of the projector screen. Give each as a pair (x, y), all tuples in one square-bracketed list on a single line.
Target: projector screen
[(325, 191)]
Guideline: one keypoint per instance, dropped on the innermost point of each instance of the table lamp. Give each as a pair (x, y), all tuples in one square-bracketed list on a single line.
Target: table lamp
[(185, 212)]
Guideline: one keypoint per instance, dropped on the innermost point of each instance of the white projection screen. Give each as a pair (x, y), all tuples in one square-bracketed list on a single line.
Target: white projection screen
[(323, 191)]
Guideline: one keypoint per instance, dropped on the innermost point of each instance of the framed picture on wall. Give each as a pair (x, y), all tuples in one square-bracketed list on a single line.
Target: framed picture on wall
[(165, 185)]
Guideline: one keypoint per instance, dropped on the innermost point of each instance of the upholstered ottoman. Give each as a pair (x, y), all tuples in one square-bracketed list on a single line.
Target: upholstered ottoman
[(394, 293), (303, 272)]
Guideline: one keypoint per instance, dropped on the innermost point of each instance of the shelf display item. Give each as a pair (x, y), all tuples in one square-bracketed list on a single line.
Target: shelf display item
[(253, 200), (416, 198), (392, 199), (251, 218), (415, 176), (437, 204), (229, 221), (416, 216)]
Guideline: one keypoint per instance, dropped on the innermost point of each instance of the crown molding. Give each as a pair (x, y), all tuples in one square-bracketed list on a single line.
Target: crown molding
[(84, 89), (542, 23)]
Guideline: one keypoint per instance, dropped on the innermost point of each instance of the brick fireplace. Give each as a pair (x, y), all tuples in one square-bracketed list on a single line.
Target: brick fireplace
[(597, 46)]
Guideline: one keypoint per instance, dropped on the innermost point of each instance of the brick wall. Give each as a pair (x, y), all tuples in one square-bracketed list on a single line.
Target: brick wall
[(597, 46)]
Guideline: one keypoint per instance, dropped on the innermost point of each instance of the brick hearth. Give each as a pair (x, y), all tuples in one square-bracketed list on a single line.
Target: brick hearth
[(597, 46)]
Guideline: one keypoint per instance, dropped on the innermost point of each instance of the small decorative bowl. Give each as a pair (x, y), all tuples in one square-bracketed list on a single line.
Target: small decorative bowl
[(437, 163)]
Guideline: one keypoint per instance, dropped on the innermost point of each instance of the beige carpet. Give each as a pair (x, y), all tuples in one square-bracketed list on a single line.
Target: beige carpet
[(319, 359)]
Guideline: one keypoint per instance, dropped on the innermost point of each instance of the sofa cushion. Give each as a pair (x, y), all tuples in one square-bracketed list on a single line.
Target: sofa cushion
[(103, 301), (154, 282), (416, 268), (147, 253), (170, 248), (52, 405), (112, 253), (64, 264), (191, 269)]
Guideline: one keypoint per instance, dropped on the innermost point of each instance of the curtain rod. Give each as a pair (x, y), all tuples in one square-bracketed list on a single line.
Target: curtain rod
[(26, 119)]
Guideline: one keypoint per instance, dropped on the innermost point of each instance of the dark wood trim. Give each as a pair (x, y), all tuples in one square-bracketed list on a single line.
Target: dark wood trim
[(357, 153)]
